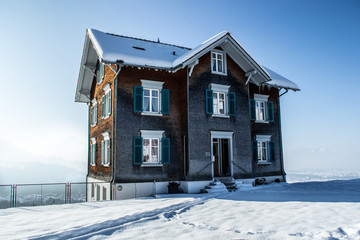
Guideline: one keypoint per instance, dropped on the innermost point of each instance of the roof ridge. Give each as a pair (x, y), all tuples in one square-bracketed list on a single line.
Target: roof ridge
[(146, 40)]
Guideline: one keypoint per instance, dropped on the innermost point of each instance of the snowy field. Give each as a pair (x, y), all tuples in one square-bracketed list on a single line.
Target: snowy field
[(304, 210)]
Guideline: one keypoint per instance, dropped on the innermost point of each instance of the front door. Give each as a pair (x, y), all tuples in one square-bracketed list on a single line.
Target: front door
[(221, 157)]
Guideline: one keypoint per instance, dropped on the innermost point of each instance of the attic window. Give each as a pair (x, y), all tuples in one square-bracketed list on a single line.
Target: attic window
[(139, 48)]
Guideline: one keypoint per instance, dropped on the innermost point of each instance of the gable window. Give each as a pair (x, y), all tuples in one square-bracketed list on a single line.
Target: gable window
[(106, 102), (100, 69), (151, 99), (93, 151), (261, 110), (105, 149), (93, 112), (219, 101), (151, 149), (263, 149), (218, 62)]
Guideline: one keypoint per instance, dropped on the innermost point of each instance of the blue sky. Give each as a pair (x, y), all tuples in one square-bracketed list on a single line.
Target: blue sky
[(313, 43)]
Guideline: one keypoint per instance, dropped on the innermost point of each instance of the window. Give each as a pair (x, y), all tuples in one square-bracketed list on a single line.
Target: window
[(218, 62), (93, 151), (100, 69), (93, 112), (106, 102), (151, 149), (263, 149), (151, 99), (261, 110), (219, 101), (105, 149)]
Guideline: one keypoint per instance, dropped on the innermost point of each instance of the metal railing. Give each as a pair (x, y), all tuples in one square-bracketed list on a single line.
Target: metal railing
[(19, 195)]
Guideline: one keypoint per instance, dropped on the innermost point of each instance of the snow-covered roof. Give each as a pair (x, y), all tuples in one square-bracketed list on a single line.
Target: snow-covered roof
[(280, 81), (136, 52), (112, 49)]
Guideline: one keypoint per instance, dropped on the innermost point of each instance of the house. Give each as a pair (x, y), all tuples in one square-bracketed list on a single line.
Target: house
[(160, 113)]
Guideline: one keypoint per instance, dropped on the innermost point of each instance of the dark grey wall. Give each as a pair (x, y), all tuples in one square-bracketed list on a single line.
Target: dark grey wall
[(129, 124), (200, 124)]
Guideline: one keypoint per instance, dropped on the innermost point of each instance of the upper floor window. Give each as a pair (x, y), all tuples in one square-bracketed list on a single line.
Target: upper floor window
[(261, 110), (151, 99), (106, 102), (151, 149), (219, 101), (100, 70), (263, 149), (93, 151), (105, 149), (93, 112), (218, 62)]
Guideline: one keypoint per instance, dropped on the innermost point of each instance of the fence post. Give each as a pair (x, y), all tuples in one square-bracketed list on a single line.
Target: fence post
[(15, 195)]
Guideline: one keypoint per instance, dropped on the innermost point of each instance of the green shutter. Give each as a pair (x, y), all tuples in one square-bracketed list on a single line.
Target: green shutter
[(108, 152), (138, 99), (165, 150), (98, 73), (102, 71), (102, 152), (165, 101), (255, 151), (270, 111), (231, 104), (272, 151), (95, 112), (103, 106), (109, 102), (92, 119), (138, 151), (209, 101), (252, 109)]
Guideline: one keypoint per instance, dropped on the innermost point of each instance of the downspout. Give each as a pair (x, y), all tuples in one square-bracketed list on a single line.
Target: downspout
[(113, 142), (252, 163), (88, 162), (188, 75), (280, 140)]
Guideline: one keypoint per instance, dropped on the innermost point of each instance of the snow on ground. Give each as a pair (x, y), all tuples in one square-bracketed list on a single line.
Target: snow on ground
[(304, 210)]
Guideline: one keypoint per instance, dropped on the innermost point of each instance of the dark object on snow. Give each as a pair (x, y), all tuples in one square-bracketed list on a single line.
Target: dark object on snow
[(277, 180), (260, 181), (173, 187)]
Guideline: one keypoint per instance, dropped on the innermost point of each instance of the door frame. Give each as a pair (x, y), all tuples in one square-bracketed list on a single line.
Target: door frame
[(224, 135)]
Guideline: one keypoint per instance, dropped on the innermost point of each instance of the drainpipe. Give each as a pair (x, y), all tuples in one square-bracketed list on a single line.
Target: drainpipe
[(113, 142), (88, 152), (280, 140)]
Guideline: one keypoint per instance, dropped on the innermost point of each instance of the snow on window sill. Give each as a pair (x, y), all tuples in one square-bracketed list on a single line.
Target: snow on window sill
[(93, 165), (106, 117), (219, 73), (106, 165), (263, 163), (151, 114), (221, 115), (261, 121), (151, 165)]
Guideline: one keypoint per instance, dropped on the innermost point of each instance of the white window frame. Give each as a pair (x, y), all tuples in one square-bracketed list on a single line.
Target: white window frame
[(107, 105), (217, 54), (260, 139), (93, 112), (152, 134), (261, 99), (156, 86), (220, 89), (93, 152), (106, 161)]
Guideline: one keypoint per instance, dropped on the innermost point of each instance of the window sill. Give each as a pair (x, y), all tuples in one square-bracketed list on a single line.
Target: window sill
[(264, 163), (219, 73), (106, 117), (261, 121), (93, 125), (151, 165), (106, 165), (93, 165), (221, 116), (151, 114)]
